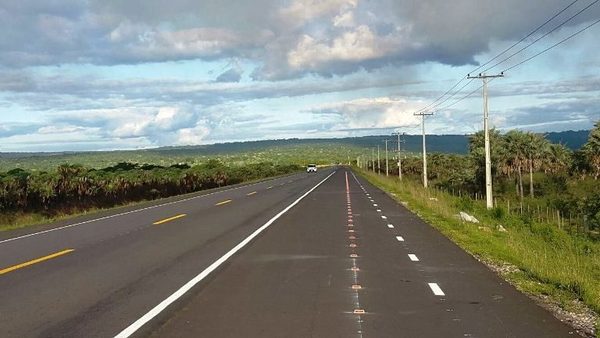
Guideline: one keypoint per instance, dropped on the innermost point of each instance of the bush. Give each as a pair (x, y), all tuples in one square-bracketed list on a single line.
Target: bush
[(498, 213), (464, 204)]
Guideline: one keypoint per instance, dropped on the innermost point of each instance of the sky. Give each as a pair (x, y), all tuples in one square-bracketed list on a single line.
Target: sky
[(81, 75)]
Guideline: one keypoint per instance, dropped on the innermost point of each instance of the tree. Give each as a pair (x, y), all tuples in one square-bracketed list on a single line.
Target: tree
[(516, 155), (477, 153), (559, 159), (591, 150), (535, 148)]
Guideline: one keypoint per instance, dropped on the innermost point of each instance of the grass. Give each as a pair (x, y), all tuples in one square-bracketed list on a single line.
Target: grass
[(550, 262)]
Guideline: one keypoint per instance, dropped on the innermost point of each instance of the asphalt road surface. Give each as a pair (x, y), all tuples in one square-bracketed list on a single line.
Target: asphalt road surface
[(306, 255)]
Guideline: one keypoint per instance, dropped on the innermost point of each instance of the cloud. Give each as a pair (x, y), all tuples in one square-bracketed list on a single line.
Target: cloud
[(372, 113), (285, 39), (561, 115), (230, 75)]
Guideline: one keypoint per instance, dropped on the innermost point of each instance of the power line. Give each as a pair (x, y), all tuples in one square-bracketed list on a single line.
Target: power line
[(554, 45), (441, 96), (525, 37), (463, 98), (451, 96), (542, 36), (433, 103)]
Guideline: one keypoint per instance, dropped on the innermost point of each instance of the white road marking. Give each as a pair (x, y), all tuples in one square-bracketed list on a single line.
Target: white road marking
[(436, 289), (391, 226), (375, 205), (384, 217), (400, 238), (413, 257), (131, 329), (378, 210), (130, 212)]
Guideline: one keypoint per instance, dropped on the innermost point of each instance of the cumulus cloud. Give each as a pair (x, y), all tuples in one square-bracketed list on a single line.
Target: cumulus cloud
[(286, 39), (307, 51), (372, 113)]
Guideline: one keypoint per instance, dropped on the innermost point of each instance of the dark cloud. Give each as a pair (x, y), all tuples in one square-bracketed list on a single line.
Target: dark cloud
[(230, 75), (550, 115), (287, 39), (12, 129)]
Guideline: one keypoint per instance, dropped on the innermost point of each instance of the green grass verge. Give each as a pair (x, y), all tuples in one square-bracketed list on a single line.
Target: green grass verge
[(550, 262)]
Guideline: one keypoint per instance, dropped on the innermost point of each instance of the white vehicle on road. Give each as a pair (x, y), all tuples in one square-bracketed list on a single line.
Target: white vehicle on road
[(312, 168)]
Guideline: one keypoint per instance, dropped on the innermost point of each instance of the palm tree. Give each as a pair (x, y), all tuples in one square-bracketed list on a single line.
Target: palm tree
[(559, 158), (591, 150), (535, 148), (516, 141), (477, 153)]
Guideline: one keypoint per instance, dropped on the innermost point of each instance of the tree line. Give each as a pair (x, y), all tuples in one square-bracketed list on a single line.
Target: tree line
[(526, 168), (71, 188)]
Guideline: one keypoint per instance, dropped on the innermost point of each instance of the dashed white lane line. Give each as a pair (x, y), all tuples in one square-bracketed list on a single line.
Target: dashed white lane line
[(391, 226), (400, 238), (378, 210), (436, 289), (413, 257), (375, 205), (135, 326), (383, 217)]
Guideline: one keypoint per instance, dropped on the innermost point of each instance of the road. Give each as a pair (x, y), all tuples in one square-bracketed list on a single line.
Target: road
[(306, 255)]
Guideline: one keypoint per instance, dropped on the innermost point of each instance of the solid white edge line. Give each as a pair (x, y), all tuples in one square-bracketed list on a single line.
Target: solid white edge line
[(413, 257), (436, 289), (131, 329), (130, 212)]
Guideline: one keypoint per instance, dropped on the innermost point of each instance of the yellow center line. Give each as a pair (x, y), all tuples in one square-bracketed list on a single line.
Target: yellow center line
[(169, 219), (224, 202), (251, 193), (35, 261)]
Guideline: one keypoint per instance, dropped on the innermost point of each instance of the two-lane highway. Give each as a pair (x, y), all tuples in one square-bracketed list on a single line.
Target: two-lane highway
[(308, 255), (112, 270)]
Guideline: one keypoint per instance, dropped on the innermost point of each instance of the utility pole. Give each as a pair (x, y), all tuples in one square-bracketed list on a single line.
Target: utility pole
[(423, 114), (489, 200), (387, 168), (378, 161), (399, 156)]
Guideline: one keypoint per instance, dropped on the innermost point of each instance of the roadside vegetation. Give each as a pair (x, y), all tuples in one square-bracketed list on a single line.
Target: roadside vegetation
[(33, 197), (537, 180), (542, 234)]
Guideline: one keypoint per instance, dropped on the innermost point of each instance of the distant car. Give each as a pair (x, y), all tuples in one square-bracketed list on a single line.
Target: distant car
[(312, 168)]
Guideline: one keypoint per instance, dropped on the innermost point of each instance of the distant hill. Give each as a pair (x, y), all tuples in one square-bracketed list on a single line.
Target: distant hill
[(282, 151), (435, 143), (572, 139), (458, 144)]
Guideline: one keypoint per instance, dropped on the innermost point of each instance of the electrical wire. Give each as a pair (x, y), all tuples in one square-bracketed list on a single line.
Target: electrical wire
[(554, 45), (542, 36), (440, 97), (436, 103), (523, 38)]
